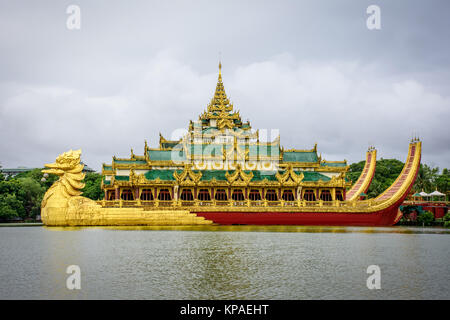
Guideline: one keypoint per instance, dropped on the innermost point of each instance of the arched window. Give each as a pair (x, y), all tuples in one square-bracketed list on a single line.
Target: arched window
[(221, 195), (288, 195), (339, 196), (111, 195), (237, 195), (271, 195), (127, 195), (203, 195), (164, 195), (254, 195), (325, 195), (309, 195), (147, 195), (186, 195)]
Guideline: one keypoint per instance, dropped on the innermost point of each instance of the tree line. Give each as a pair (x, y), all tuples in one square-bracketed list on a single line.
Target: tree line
[(21, 195)]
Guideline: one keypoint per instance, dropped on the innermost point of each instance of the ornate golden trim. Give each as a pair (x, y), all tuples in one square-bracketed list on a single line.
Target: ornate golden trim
[(314, 149), (239, 177), (187, 177), (370, 169), (289, 177)]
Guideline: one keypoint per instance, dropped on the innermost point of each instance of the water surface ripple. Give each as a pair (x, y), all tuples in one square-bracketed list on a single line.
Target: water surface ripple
[(213, 262)]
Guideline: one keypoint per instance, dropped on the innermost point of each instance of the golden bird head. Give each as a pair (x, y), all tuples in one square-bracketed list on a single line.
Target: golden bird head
[(67, 162)]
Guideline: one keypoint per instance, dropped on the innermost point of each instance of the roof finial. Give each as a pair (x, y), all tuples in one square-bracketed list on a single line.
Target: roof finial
[(220, 63)]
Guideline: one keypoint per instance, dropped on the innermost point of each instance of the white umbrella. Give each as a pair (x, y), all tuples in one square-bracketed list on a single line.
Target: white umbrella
[(436, 193), (424, 194)]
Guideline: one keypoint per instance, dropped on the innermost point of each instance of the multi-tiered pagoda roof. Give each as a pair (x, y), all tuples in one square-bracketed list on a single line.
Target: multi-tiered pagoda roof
[(219, 145)]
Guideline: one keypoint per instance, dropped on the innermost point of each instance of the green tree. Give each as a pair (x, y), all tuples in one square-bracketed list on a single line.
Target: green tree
[(443, 181), (447, 220), (92, 189), (426, 218), (31, 193), (10, 207), (27, 191), (21, 196), (2, 177), (38, 176), (426, 178)]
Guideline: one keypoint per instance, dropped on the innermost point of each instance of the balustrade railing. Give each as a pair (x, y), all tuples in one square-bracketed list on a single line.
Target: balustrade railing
[(129, 203), (290, 204), (204, 203), (222, 203), (165, 203), (258, 203), (148, 203), (233, 203), (311, 203)]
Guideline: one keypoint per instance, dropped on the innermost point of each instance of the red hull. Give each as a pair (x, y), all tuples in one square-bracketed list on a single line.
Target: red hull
[(387, 217)]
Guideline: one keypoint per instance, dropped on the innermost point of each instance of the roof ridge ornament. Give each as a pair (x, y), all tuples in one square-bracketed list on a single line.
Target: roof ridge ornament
[(220, 102)]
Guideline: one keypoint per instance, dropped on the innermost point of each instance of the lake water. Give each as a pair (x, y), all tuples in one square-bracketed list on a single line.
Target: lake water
[(214, 262)]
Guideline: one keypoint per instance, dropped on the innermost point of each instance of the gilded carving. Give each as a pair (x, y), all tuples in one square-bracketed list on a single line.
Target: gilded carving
[(239, 177), (289, 177), (63, 204), (187, 177)]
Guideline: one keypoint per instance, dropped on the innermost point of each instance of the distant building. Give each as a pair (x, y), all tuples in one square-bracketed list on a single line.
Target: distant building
[(87, 168), (11, 172)]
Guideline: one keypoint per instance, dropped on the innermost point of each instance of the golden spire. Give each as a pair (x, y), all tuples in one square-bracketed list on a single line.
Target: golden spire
[(220, 101), (220, 107)]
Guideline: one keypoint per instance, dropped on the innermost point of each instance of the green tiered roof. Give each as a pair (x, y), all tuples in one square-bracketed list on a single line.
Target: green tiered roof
[(220, 175), (293, 156), (169, 145), (166, 175), (164, 155)]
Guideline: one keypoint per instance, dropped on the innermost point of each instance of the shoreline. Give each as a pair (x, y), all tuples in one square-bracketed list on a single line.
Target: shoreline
[(21, 224)]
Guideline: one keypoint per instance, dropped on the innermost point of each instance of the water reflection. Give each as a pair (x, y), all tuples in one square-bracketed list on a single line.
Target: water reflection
[(274, 228), (224, 262)]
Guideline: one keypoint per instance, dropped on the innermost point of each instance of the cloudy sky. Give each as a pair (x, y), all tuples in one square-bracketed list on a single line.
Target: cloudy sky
[(310, 69)]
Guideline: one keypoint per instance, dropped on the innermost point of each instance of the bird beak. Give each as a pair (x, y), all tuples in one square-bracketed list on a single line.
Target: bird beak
[(53, 168)]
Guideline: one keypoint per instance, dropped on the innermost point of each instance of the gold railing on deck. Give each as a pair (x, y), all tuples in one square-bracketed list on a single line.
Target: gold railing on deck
[(165, 203), (148, 203), (222, 203), (203, 203), (129, 204), (233, 203)]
